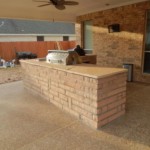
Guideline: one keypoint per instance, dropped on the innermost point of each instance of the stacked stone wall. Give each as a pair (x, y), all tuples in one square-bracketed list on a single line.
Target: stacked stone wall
[(95, 101)]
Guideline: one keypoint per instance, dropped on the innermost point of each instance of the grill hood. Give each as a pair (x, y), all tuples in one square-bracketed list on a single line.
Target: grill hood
[(63, 57)]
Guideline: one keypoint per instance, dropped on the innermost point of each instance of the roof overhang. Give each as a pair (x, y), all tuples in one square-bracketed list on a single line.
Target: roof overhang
[(27, 9)]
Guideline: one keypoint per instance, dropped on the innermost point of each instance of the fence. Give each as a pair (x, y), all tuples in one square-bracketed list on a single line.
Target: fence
[(8, 49)]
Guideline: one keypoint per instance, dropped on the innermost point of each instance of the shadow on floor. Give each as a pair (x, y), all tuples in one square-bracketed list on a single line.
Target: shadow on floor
[(135, 124)]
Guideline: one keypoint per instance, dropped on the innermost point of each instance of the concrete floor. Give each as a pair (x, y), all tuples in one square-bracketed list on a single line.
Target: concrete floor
[(29, 123)]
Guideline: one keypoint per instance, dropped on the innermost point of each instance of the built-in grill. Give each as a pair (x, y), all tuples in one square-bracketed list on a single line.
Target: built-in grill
[(24, 55), (63, 57)]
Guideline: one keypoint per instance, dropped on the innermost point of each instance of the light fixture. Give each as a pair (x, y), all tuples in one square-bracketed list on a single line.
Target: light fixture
[(114, 28)]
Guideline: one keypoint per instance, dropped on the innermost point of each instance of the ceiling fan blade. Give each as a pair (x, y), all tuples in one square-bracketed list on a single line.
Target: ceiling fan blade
[(60, 7), (44, 5), (58, 2), (40, 1), (70, 3)]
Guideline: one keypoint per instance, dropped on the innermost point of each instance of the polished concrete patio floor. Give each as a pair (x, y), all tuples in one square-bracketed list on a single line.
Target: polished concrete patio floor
[(28, 122)]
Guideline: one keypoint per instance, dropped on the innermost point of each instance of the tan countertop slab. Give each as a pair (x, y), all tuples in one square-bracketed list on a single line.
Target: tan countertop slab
[(89, 70)]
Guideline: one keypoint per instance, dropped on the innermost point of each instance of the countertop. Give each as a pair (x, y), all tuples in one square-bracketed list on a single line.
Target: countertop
[(89, 70)]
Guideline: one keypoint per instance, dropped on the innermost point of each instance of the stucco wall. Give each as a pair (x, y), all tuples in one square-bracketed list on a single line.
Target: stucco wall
[(114, 49)]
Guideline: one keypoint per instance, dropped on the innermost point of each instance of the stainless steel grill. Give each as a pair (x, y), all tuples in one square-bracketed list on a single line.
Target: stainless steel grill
[(63, 57)]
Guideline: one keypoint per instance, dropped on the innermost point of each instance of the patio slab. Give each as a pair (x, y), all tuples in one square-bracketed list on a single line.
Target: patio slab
[(28, 122)]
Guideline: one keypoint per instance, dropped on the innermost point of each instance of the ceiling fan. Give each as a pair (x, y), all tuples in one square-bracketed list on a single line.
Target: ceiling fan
[(59, 4)]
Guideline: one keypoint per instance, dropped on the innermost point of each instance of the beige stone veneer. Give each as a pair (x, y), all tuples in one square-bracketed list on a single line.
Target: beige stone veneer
[(93, 94)]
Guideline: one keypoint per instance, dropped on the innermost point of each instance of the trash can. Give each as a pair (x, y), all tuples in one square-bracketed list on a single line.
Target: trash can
[(130, 71)]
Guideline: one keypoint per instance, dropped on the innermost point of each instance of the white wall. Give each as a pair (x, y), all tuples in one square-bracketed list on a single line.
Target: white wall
[(33, 37), (72, 38), (59, 37), (53, 38), (17, 38)]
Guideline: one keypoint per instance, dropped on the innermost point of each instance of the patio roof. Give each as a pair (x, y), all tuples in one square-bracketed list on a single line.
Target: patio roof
[(27, 9)]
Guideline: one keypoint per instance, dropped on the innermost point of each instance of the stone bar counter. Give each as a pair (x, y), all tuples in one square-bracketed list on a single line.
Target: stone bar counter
[(95, 95)]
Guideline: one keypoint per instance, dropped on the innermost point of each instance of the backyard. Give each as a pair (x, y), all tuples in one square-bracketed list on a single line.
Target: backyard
[(10, 74)]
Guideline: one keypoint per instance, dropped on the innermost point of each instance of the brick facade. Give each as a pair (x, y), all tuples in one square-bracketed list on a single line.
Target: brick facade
[(92, 100), (114, 49)]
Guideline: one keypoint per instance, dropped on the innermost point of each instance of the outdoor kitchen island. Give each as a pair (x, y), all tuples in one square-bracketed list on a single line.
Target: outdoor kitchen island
[(93, 94)]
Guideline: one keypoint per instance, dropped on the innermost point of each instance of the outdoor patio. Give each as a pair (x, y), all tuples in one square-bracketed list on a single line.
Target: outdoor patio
[(31, 123), (28, 122)]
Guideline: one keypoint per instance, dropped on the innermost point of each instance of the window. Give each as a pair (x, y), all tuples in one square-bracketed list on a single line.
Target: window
[(65, 38), (146, 56), (87, 36), (40, 38)]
